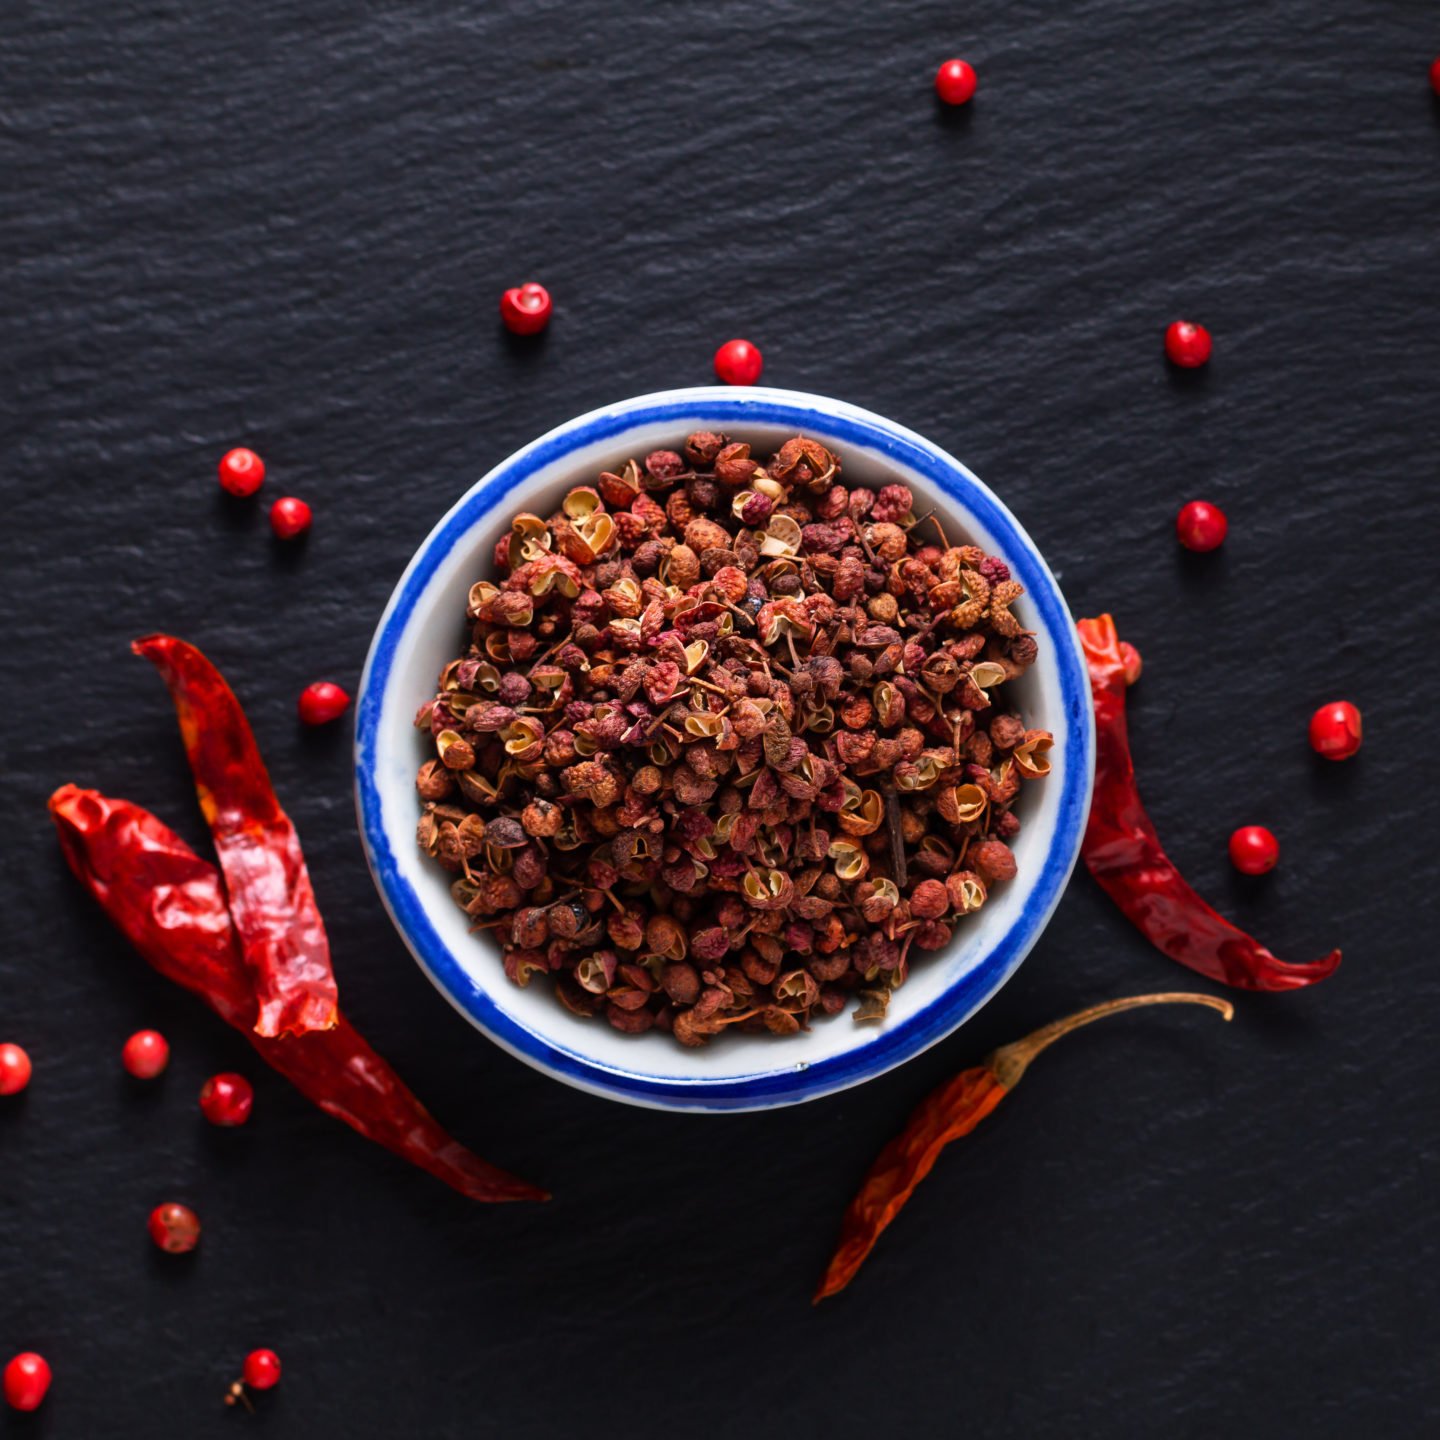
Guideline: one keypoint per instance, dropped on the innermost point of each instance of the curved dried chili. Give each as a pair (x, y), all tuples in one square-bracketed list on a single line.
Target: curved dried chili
[(171, 906), (271, 898), (946, 1114), (1123, 852)]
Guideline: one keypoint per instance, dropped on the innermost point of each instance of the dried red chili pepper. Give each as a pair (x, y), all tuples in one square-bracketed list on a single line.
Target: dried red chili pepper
[(271, 899), (946, 1114), (1123, 852), (171, 906)]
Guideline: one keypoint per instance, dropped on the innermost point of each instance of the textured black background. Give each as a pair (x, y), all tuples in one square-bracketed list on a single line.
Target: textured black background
[(287, 226)]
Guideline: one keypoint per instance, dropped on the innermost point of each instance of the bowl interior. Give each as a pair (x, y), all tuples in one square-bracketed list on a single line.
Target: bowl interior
[(424, 627)]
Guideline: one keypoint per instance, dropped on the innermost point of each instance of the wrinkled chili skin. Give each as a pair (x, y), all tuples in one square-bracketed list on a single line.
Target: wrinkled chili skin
[(955, 1109), (271, 899), (946, 1114), (170, 905), (1122, 851)]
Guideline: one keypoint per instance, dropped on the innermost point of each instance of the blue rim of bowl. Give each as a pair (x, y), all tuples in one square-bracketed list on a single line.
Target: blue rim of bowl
[(797, 1081)]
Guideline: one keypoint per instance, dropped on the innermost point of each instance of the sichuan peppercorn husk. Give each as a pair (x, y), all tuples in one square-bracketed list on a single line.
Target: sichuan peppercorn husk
[(728, 744)]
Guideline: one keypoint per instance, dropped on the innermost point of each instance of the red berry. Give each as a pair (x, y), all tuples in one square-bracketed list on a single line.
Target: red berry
[(738, 362), (1254, 850), (322, 702), (525, 309), (1335, 730), (27, 1381), (1187, 344), (955, 82), (174, 1228), (1201, 526), (289, 517), (227, 1099), (1435, 75), (242, 471), (14, 1069), (262, 1370), (1133, 663), (146, 1054)]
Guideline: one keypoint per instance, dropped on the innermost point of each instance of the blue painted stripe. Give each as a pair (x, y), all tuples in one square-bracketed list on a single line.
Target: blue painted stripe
[(841, 424)]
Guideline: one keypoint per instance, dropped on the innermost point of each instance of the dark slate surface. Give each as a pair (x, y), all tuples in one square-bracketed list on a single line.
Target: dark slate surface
[(287, 226)]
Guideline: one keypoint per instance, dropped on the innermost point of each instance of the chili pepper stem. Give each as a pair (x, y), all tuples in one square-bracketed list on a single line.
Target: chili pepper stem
[(1010, 1062)]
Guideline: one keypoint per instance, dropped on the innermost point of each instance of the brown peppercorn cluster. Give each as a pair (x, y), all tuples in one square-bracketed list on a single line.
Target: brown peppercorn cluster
[(726, 747)]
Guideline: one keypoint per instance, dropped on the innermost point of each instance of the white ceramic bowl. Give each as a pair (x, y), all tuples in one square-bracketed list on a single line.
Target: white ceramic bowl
[(423, 627)]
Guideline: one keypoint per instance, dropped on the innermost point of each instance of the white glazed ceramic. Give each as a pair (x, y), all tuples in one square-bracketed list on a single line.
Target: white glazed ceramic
[(423, 627)]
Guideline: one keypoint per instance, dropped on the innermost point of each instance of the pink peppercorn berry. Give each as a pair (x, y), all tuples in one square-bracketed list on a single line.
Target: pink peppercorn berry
[(145, 1054), (955, 82), (174, 1228), (1254, 850), (27, 1381), (242, 471), (322, 702), (227, 1099), (14, 1069), (525, 309), (262, 1370), (1435, 74), (738, 362), (1201, 526), (1187, 344), (1335, 730), (289, 517)]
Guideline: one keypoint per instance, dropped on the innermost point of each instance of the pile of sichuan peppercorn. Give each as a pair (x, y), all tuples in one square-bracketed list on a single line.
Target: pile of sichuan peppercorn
[(727, 745)]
